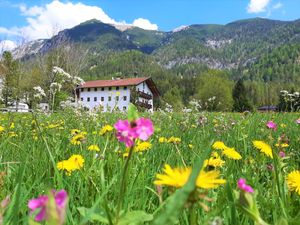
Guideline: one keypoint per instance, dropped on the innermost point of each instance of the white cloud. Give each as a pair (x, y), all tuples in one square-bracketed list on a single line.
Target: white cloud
[(277, 5), (45, 21), (7, 45), (144, 24), (257, 6)]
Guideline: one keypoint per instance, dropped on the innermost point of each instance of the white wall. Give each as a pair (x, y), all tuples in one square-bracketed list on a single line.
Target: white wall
[(113, 93)]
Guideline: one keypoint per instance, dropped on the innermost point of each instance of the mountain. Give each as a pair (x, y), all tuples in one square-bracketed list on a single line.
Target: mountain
[(231, 46)]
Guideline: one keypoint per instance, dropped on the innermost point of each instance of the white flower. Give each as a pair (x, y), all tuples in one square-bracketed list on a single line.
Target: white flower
[(61, 72), (54, 87)]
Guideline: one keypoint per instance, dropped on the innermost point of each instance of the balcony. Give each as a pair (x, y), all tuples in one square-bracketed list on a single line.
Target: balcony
[(144, 95), (145, 105)]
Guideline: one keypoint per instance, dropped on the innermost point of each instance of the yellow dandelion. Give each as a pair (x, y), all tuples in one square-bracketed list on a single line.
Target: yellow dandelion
[(283, 145), (2, 129), (142, 146), (264, 148), (178, 177), (219, 145), (293, 181), (174, 140), (105, 129), (77, 139), (231, 153), (77, 161), (12, 126), (162, 140), (191, 146), (75, 131), (94, 148), (214, 162), (12, 134)]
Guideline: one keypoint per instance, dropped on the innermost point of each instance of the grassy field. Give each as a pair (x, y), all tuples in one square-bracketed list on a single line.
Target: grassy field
[(32, 145)]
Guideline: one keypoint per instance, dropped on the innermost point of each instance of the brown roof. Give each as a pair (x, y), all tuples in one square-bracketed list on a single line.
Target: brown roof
[(122, 82)]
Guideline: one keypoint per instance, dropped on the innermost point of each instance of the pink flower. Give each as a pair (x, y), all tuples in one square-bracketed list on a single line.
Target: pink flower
[(271, 125), (144, 128), (281, 154), (41, 203), (298, 121), (125, 132), (243, 186)]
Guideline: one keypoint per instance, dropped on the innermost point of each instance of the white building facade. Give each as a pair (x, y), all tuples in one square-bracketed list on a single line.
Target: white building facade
[(109, 95)]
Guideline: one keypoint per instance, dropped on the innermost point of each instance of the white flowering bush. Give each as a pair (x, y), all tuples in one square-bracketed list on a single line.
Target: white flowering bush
[(289, 102)]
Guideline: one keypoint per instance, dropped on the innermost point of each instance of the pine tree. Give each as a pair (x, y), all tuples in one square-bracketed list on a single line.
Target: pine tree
[(239, 94)]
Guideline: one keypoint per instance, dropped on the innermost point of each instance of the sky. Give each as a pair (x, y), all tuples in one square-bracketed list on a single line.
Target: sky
[(22, 20)]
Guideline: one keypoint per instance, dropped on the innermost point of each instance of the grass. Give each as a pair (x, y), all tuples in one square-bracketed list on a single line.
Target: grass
[(30, 165)]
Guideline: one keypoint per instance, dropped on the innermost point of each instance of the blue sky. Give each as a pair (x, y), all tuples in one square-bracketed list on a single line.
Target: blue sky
[(36, 19)]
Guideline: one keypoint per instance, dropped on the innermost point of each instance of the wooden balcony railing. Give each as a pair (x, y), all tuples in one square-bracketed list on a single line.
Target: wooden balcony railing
[(145, 105), (144, 95)]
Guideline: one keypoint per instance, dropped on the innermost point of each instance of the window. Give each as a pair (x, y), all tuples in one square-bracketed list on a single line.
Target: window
[(95, 99), (88, 99), (95, 89), (124, 108), (125, 98), (117, 88), (109, 88), (81, 99), (102, 89), (109, 98), (125, 88), (117, 98), (138, 89), (102, 99), (143, 85), (89, 89), (82, 89)]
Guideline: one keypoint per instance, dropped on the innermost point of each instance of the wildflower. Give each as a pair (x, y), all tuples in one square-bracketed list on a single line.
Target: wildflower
[(283, 145), (75, 131), (178, 177), (243, 186), (162, 140), (271, 125), (282, 125), (125, 133), (214, 162), (264, 148), (281, 154), (143, 146), (174, 140), (298, 121), (2, 129), (105, 129), (144, 128), (231, 153), (94, 148), (41, 202), (78, 139), (12, 126), (293, 181), (219, 145), (191, 146), (75, 162)]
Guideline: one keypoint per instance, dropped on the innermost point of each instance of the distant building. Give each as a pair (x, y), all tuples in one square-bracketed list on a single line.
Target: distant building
[(118, 93)]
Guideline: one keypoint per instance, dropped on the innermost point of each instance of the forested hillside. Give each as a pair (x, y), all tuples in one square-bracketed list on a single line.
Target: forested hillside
[(264, 53)]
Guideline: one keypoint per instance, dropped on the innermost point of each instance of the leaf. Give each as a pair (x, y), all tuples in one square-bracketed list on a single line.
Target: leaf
[(282, 221), (132, 113), (135, 218), (93, 215)]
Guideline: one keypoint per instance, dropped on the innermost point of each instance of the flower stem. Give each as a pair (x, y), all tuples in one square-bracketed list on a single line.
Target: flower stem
[(193, 215), (123, 184)]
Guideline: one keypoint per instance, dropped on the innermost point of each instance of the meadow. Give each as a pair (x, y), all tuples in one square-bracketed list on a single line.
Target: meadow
[(112, 184)]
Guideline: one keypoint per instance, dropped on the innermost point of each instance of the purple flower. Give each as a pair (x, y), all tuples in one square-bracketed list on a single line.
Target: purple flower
[(281, 154), (271, 125), (144, 128), (41, 203), (125, 133), (298, 121), (243, 186)]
